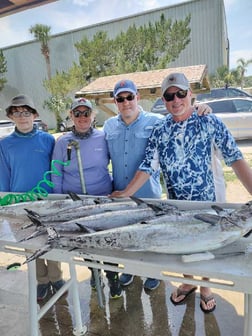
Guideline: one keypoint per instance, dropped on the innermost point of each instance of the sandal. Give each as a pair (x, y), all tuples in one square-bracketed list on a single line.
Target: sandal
[(184, 293), (206, 299)]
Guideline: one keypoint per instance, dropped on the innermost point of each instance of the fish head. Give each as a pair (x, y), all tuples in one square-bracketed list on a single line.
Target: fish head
[(240, 218)]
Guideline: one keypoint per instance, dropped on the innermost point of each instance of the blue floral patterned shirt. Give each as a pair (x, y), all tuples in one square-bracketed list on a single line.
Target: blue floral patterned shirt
[(185, 151)]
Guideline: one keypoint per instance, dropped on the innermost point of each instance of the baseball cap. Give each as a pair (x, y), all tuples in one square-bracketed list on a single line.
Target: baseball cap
[(21, 100), (175, 79), (125, 85), (81, 102)]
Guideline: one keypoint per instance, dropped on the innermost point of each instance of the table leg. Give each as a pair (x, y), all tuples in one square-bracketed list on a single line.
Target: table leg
[(33, 313), (247, 314), (98, 287), (79, 330)]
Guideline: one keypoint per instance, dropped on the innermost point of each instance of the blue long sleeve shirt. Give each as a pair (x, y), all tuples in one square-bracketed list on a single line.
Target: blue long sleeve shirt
[(94, 160), (24, 158), (127, 145)]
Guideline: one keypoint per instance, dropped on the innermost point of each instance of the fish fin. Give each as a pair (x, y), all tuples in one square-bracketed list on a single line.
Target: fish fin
[(137, 200), (247, 234), (154, 207), (26, 226), (33, 235), (35, 220), (220, 211), (85, 228), (73, 249), (38, 253), (74, 196), (217, 209), (208, 218), (32, 213), (99, 200)]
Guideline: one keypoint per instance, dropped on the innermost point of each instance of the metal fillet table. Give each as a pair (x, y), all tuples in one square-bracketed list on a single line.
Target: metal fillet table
[(231, 269)]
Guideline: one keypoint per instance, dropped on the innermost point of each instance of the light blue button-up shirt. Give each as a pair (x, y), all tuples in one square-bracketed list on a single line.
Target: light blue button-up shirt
[(127, 145)]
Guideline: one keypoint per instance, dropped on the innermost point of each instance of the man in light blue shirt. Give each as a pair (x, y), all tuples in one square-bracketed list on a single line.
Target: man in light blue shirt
[(127, 135)]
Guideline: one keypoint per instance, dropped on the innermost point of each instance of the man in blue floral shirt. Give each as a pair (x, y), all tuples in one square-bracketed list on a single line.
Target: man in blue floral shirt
[(184, 143)]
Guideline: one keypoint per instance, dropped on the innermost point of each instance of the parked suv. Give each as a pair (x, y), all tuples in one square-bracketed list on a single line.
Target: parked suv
[(159, 107), (6, 127), (236, 114), (66, 124), (218, 93), (40, 125)]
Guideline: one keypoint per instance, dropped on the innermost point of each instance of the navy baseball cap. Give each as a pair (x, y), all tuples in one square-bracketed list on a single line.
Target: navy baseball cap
[(125, 85)]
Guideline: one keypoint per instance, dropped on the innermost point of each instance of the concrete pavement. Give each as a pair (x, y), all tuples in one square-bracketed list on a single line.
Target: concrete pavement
[(137, 313)]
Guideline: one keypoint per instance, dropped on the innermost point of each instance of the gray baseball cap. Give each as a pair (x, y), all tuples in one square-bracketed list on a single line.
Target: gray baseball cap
[(175, 79), (81, 102), (21, 100)]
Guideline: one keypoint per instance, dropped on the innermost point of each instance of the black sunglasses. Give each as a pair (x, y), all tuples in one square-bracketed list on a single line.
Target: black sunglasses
[(170, 96), (121, 99), (78, 113)]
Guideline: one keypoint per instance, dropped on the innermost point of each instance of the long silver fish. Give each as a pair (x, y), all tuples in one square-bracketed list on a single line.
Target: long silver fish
[(45, 207), (203, 232), (66, 215), (106, 220)]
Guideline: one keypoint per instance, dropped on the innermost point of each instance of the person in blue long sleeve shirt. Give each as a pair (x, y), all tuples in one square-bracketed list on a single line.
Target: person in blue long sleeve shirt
[(25, 155)]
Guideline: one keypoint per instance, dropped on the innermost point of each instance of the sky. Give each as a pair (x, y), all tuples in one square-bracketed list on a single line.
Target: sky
[(65, 15)]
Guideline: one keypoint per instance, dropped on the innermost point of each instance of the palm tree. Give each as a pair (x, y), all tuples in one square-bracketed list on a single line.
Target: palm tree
[(242, 68), (42, 34)]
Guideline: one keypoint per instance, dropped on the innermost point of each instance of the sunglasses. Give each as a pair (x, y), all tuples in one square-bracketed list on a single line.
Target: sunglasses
[(18, 114), (170, 96), (121, 99), (78, 113)]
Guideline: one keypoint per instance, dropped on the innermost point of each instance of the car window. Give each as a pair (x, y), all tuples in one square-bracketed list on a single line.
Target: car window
[(225, 106), (222, 93), (159, 107), (235, 93), (243, 105), (4, 123)]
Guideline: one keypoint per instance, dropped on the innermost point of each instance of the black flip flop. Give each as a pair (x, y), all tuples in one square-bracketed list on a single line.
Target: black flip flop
[(184, 293), (206, 299)]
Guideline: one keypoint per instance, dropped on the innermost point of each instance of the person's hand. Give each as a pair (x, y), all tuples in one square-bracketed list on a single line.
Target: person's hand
[(203, 109), (117, 194)]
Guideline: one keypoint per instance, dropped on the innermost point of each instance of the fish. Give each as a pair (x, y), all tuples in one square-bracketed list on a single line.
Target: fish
[(200, 233), (65, 215), (48, 206), (106, 220)]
